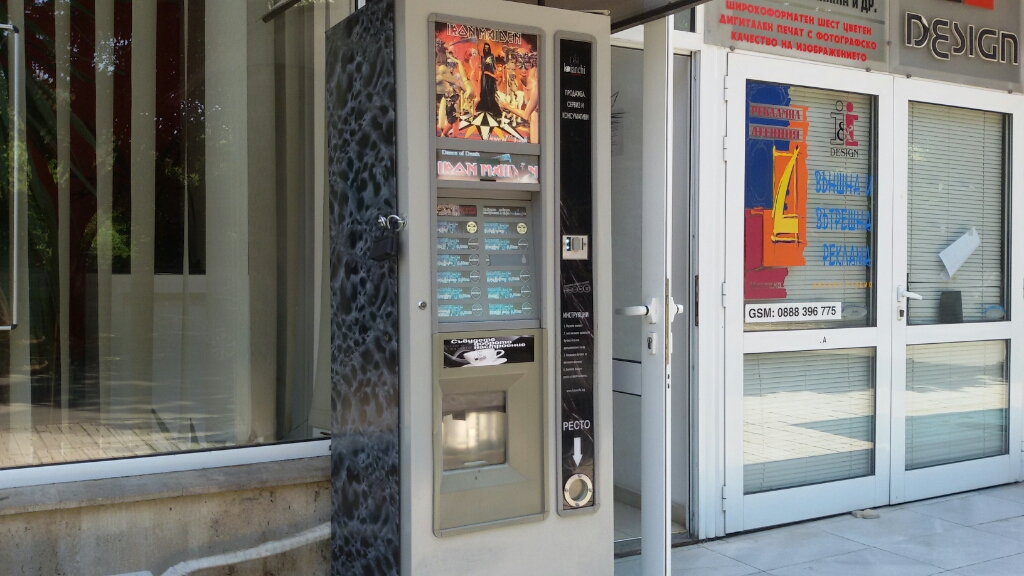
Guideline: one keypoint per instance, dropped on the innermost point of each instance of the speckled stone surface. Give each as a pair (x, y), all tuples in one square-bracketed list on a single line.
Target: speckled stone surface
[(365, 537)]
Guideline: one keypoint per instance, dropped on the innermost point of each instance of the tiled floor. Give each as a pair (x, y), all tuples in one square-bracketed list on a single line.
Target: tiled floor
[(627, 522), (977, 533)]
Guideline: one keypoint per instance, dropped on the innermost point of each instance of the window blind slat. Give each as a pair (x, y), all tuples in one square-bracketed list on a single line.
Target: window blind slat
[(956, 183), (808, 418), (957, 399)]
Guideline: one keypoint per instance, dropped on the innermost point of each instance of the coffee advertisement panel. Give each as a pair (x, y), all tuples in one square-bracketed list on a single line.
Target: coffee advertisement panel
[(492, 351)]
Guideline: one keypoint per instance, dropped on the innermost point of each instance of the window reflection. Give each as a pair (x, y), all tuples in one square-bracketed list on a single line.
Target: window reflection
[(808, 418), (958, 400), (160, 157)]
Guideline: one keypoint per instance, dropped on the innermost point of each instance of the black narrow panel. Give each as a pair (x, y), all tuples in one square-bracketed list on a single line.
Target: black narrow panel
[(365, 536), (577, 275)]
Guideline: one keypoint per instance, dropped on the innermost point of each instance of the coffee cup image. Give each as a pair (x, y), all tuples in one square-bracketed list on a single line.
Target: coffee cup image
[(484, 357)]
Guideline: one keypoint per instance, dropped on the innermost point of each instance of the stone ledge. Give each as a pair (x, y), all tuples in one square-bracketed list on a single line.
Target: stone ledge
[(129, 489)]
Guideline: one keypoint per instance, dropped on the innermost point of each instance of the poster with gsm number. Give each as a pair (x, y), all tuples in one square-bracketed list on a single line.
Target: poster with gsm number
[(809, 208)]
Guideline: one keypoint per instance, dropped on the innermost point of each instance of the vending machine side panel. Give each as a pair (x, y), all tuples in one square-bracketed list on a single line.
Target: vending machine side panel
[(362, 151)]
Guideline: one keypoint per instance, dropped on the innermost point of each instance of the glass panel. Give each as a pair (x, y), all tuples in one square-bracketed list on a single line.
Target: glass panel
[(958, 400), (683, 20), (160, 156), (627, 243), (473, 430), (956, 229), (808, 208), (7, 270), (808, 418)]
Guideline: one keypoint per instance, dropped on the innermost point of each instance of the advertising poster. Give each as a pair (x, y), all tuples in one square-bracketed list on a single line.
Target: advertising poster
[(847, 32), (473, 352), (486, 83), (973, 42), (808, 207), (470, 166)]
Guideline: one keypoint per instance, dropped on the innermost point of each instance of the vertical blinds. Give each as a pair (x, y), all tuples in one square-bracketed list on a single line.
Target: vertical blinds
[(957, 402), (808, 418), (956, 184)]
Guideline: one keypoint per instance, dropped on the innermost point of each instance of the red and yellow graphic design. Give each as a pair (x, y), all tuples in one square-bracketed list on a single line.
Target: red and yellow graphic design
[(775, 227)]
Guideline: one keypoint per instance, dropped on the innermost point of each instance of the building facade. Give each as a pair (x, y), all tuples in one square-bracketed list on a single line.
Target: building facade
[(811, 201)]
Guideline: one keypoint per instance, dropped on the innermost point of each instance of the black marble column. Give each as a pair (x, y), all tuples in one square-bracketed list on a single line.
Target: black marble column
[(365, 468)]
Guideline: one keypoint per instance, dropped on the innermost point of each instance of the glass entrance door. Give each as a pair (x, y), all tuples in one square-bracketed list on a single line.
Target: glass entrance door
[(956, 320), (807, 330), (651, 261)]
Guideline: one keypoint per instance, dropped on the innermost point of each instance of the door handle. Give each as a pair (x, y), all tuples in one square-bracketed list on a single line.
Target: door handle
[(674, 309), (647, 311), (904, 294)]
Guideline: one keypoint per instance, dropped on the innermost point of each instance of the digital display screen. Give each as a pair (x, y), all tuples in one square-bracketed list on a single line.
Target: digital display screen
[(484, 260)]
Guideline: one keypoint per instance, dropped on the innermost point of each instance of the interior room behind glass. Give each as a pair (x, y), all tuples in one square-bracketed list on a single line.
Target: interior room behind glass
[(171, 237)]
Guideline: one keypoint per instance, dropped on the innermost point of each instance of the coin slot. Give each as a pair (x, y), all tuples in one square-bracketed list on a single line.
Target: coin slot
[(578, 490)]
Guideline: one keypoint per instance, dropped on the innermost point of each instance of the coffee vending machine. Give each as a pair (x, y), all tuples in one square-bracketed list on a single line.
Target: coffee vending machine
[(503, 125), (489, 244)]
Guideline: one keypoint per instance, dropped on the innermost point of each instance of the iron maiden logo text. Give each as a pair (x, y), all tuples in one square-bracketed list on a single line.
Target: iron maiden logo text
[(488, 34), (945, 39)]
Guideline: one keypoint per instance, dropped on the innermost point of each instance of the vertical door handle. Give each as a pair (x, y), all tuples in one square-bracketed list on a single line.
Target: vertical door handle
[(674, 309), (16, 175)]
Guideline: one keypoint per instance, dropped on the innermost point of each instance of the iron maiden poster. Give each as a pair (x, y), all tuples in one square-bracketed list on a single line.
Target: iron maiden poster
[(808, 208), (486, 83)]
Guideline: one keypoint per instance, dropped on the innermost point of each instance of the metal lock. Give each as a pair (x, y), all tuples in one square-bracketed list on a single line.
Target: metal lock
[(385, 247)]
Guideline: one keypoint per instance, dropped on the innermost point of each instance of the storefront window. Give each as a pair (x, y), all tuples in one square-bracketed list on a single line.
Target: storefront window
[(809, 207), (171, 236), (958, 400), (683, 20), (956, 223), (808, 418)]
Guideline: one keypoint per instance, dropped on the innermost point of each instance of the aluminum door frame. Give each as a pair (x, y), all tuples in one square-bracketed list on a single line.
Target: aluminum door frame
[(747, 512), (973, 474)]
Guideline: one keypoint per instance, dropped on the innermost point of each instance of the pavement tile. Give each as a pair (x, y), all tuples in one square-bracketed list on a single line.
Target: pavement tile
[(1006, 566), (892, 526), (1013, 492), (956, 548), (866, 562), (780, 547), (972, 510), (1012, 528), (917, 503), (700, 561), (628, 566)]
